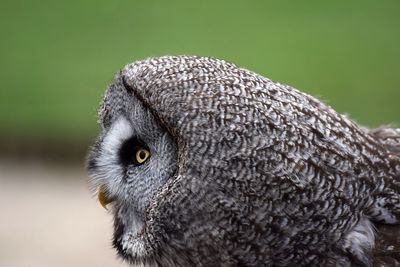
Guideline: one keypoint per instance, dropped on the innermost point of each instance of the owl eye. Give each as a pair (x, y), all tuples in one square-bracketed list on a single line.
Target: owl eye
[(134, 152), (141, 155)]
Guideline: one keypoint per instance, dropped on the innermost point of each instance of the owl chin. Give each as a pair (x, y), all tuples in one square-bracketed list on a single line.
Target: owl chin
[(127, 227), (118, 236)]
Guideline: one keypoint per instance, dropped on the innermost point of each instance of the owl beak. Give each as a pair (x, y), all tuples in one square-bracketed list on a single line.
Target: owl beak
[(103, 198)]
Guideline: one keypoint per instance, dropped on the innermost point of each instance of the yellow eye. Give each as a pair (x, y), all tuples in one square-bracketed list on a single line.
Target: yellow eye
[(141, 155)]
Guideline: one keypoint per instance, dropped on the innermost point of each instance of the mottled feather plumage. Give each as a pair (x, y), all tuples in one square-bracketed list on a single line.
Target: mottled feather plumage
[(246, 171)]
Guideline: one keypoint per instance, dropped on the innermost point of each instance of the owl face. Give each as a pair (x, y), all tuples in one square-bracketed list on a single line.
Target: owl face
[(132, 157)]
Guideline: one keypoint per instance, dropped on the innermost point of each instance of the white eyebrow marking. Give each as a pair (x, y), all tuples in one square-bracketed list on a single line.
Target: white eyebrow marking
[(108, 159), (119, 132)]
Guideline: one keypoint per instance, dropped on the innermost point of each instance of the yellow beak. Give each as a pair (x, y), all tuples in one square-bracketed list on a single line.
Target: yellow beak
[(103, 199)]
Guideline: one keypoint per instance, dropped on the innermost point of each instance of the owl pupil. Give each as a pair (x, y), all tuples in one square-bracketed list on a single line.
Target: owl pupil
[(142, 154)]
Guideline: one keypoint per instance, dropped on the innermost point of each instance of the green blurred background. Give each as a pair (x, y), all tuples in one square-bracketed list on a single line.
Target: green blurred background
[(57, 58)]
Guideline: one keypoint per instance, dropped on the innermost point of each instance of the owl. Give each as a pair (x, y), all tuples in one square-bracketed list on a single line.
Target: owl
[(203, 163)]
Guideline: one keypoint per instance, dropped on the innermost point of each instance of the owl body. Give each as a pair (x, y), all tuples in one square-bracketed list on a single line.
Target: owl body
[(243, 171)]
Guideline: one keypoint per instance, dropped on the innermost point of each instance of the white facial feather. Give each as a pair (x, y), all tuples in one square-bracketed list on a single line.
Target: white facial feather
[(110, 171)]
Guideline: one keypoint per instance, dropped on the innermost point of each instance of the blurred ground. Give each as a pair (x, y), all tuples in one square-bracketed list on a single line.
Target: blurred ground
[(48, 218)]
